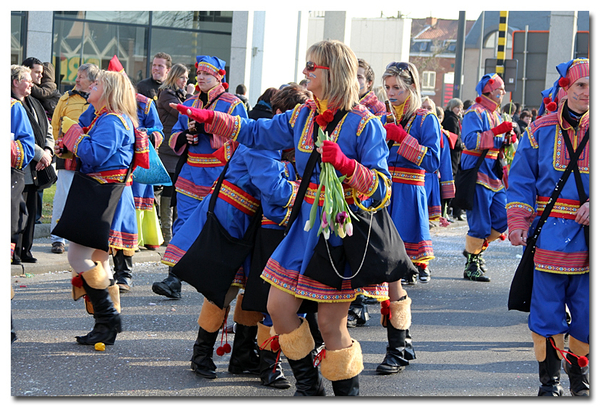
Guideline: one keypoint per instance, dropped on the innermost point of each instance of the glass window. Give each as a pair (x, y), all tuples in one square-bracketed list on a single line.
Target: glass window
[(129, 17), (428, 80), (219, 21), (97, 43), (17, 40)]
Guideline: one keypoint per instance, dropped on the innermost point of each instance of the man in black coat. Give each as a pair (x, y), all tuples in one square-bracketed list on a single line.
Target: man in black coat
[(161, 65)]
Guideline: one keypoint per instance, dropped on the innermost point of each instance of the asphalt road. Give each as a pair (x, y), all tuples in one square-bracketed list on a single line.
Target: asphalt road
[(467, 342)]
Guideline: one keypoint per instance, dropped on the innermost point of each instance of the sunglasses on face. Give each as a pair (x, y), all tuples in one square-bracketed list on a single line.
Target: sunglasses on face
[(311, 66), (401, 66)]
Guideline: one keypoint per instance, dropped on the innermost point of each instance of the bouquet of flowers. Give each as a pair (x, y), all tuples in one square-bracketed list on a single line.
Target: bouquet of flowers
[(509, 149), (336, 214)]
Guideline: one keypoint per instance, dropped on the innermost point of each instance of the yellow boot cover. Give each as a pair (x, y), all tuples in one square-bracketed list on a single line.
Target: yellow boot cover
[(95, 277), (246, 318), (211, 316), (115, 297), (342, 364), (298, 343), (401, 316)]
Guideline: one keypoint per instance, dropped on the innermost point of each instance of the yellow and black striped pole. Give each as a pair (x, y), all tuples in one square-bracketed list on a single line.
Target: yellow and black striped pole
[(502, 31)]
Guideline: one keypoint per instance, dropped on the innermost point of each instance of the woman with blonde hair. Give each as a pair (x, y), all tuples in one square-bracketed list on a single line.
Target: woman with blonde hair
[(105, 151), (414, 136), (359, 152)]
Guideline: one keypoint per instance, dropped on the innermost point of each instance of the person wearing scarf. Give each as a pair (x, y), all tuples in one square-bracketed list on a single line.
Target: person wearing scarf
[(562, 257), (483, 128), (202, 154)]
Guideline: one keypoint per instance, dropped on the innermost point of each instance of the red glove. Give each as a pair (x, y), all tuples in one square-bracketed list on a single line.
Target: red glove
[(199, 115), (333, 154), (395, 132), (502, 128)]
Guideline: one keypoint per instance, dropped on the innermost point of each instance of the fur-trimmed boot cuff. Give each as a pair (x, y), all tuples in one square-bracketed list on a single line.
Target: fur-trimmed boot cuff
[(96, 278), (298, 343), (342, 364), (243, 317)]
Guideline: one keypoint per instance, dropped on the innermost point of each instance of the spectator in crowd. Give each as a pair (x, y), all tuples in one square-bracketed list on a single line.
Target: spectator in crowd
[(21, 85), (173, 90), (534, 114), (516, 111), (452, 124), (525, 120), (22, 147), (72, 104), (561, 272), (467, 104), (368, 98), (484, 131), (263, 108), (240, 92), (161, 64)]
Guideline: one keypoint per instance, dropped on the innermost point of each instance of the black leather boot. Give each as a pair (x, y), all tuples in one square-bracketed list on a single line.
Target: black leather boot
[(348, 387), (271, 371), (358, 314), (244, 352), (398, 352), (123, 266), (549, 371), (170, 287), (579, 377), (308, 378), (202, 362), (473, 269), (107, 318)]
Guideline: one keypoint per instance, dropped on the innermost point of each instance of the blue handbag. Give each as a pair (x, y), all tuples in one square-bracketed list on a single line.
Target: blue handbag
[(155, 175)]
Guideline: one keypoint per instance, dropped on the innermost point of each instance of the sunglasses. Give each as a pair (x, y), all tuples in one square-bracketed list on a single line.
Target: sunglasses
[(401, 66), (311, 66)]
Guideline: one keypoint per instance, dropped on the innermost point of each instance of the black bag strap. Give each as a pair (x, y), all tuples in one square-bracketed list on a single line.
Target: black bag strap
[(481, 158), (578, 181), (310, 166), (559, 186)]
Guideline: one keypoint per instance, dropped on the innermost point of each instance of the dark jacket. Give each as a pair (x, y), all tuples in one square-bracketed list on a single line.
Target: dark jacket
[(168, 117), (261, 110), (47, 91), (149, 88), (451, 123)]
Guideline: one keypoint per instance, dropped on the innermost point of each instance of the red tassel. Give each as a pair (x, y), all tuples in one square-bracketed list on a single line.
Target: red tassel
[(385, 307), (491, 81), (547, 100), (220, 351), (478, 99), (551, 106), (227, 348), (222, 72), (225, 85), (77, 281), (273, 341), (503, 236), (582, 361), (319, 357), (563, 82)]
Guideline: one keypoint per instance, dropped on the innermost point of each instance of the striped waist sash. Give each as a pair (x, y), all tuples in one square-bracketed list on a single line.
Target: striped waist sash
[(238, 198), (563, 208), (407, 175), (311, 193)]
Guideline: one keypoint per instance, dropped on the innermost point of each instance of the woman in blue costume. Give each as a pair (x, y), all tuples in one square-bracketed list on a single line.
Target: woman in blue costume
[(360, 153), (561, 272), (105, 150), (202, 154), (254, 177)]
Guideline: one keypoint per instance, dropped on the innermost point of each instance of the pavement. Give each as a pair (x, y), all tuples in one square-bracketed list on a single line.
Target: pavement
[(467, 343), (52, 262)]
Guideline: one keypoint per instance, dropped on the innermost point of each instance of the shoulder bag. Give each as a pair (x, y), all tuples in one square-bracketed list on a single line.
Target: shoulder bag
[(465, 184), (212, 261), (89, 211)]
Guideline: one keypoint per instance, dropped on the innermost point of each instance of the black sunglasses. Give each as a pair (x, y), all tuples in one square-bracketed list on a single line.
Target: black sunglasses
[(401, 66), (311, 66)]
